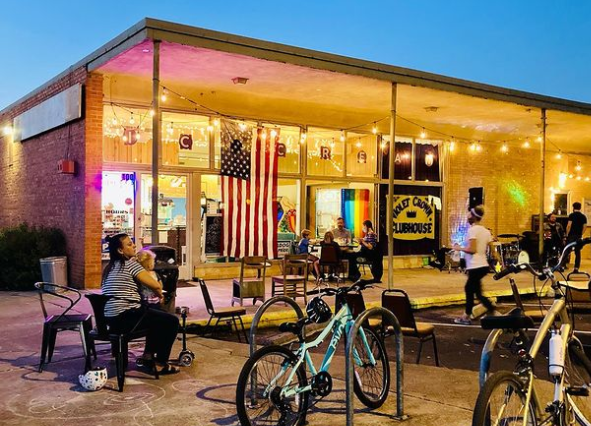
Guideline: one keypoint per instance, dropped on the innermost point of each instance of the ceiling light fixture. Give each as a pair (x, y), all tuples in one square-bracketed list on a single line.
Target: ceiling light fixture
[(239, 80)]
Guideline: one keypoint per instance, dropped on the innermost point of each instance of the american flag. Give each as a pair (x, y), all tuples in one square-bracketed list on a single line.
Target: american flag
[(249, 191)]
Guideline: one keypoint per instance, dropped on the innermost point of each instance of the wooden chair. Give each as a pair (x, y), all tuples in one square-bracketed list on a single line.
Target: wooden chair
[(56, 303), (398, 302), (119, 341), (329, 264), (294, 281), (249, 286), (223, 313)]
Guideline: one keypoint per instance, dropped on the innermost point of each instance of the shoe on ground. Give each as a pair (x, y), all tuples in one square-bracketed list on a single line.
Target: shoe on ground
[(463, 321)]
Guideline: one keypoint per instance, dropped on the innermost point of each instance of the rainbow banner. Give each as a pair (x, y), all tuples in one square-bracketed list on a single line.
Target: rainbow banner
[(355, 209)]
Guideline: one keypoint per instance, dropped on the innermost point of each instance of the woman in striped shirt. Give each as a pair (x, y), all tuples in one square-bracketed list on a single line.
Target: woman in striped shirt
[(124, 310)]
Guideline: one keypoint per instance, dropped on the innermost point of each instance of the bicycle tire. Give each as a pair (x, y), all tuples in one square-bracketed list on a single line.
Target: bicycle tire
[(578, 374), (371, 395), (247, 414), (513, 395)]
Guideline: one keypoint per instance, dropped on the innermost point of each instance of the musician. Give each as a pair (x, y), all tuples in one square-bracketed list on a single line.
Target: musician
[(554, 238)]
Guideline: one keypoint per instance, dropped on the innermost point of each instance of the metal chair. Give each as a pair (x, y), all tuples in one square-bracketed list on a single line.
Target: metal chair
[(247, 286), (223, 313), (398, 302), (119, 341), (294, 281), (57, 317)]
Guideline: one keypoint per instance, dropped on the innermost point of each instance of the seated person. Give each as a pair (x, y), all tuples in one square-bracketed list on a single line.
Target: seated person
[(340, 232), (328, 241), (124, 310), (147, 258), (369, 251), (303, 248)]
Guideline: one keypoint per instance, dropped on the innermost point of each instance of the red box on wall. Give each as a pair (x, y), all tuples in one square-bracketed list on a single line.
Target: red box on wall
[(66, 166)]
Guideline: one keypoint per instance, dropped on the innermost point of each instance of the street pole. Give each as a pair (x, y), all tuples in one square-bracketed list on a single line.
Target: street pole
[(542, 184), (390, 203), (155, 138)]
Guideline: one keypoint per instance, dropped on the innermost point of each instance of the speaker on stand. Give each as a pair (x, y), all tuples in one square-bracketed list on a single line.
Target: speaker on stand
[(476, 196)]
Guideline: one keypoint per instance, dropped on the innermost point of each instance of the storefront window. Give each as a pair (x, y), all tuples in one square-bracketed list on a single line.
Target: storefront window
[(325, 152), (127, 135), (427, 160), (288, 214), (361, 154), (288, 148), (402, 159), (117, 206), (329, 201), (185, 139), (211, 219)]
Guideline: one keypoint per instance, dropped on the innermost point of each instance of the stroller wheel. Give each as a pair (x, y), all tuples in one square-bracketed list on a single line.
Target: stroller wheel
[(186, 358)]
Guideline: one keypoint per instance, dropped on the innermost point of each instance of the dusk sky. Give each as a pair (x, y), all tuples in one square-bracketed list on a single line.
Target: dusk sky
[(537, 46)]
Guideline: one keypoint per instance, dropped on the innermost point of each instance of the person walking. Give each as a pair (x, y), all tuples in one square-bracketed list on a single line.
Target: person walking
[(476, 264), (575, 228)]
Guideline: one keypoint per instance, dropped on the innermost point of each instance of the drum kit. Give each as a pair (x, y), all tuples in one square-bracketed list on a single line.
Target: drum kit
[(507, 250)]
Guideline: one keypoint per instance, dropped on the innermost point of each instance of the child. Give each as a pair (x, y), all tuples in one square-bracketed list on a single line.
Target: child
[(147, 259), (304, 248)]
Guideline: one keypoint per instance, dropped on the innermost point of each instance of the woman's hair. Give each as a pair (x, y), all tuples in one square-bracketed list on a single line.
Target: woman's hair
[(367, 223), (144, 255), (115, 243), (477, 212), (329, 235)]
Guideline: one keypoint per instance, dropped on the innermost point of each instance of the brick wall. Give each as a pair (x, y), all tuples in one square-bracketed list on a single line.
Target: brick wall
[(32, 191)]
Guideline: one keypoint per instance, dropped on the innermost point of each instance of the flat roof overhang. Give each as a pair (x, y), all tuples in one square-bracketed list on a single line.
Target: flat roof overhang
[(291, 84)]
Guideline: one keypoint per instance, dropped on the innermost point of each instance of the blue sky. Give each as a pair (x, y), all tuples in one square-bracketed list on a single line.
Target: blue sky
[(538, 46)]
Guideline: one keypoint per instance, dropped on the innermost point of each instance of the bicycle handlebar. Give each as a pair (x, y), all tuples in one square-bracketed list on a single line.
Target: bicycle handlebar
[(329, 291), (515, 269)]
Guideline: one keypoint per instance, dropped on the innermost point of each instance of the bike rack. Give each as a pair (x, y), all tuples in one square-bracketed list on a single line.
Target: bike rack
[(389, 318), (259, 314)]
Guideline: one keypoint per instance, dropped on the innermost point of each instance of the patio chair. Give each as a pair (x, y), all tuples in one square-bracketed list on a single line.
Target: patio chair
[(329, 264), (294, 280), (57, 302), (398, 302), (223, 313), (356, 304), (119, 341), (247, 286)]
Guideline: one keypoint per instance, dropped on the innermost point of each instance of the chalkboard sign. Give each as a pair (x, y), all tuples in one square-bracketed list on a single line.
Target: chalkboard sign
[(213, 234)]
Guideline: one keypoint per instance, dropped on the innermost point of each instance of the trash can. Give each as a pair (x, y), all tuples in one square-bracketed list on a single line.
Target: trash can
[(54, 270), (168, 271)]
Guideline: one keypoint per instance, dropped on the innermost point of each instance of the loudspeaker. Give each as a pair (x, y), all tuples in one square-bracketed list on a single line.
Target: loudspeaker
[(476, 196)]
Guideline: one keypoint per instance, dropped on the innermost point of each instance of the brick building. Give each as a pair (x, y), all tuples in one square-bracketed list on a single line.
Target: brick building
[(333, 118)]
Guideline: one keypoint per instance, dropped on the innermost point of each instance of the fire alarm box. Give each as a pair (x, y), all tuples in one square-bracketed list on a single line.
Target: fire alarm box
[(66, 166)]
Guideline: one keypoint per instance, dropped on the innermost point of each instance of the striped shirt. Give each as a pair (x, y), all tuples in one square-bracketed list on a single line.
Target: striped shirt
[(121, 285), (371, 238)]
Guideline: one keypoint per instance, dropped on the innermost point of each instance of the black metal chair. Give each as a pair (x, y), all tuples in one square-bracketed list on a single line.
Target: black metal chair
[(223, 313), (119, 341), (398, 302), (58, 317)]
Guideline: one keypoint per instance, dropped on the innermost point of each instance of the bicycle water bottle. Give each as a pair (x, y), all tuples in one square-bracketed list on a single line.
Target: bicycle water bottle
[(556, 358)]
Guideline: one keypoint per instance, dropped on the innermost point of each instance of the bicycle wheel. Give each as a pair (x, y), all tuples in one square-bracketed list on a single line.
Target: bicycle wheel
[(258, 391), (501, 402), (372, 382), (578, 384)]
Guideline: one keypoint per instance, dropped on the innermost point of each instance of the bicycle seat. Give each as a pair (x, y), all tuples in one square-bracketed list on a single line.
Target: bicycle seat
[(293, 327), (514, 320)]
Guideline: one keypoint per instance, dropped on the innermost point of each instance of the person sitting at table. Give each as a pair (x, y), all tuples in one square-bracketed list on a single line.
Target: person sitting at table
[(124, 310), (304, 248), (368, 251), (328, 241), (340, 232)]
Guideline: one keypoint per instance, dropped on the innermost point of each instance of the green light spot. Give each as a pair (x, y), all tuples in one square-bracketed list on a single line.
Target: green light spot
[(517, 193)]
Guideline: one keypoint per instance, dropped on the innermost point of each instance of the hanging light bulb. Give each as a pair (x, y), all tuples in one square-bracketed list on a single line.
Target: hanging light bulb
[(263, 134), (578, 166), (124, 138), (473, 147), (342, 136), (526, 144), (423, 134), (578, 177), (587, 179), (374, 129), (478, 147), (452, 145), (114, 121), (559, 155), (131, 119), (152, 113), (164, 95), (210, 128), (216, 122), (242, 126), (358, 144), (539, 139), (504, 148), (137, 136)]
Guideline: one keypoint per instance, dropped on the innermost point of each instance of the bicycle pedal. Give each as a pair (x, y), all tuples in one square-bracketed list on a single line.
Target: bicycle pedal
[(578, 390)]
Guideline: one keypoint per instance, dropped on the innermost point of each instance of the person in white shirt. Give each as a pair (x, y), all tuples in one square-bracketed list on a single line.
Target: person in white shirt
[(476, 264)]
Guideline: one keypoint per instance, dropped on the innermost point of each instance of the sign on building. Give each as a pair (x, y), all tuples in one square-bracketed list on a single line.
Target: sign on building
[(413, 217)]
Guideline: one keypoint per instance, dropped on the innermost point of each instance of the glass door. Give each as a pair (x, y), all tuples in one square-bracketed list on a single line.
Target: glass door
[(172, 217)]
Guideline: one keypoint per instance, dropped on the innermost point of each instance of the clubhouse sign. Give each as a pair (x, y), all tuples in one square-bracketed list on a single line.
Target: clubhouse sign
[(413, 217)]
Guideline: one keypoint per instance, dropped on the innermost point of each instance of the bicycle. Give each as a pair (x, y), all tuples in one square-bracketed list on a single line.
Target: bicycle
[(273, 387), (511, 397)]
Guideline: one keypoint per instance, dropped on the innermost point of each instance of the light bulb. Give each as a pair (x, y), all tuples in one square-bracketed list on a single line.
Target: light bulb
[(374, 130), (526, 143), (131, 119), (539, 139), (478, 147), (164, 97), (423, 134), (8, 130), (210, 128), (452, 146), (273, 133), (124, 138), (263, 135), (559, 156), (242, 126), (578, 166), (152, 113), (358, 144), (114, 121), (137, 136), (216, 122), (504, 147), (342, 136)]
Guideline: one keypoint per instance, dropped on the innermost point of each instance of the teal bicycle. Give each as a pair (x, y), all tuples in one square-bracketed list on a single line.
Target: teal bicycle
[(274, 388)]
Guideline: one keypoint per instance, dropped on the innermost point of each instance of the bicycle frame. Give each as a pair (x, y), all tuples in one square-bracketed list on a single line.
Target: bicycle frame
[(339, 325)]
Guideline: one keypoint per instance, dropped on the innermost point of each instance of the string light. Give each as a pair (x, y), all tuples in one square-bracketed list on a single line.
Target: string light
[(342, 136), (131, 119), (473, 147), (478, 147), (164, 95), (452, 145), (152, 113), (216, 122), (374, 129), (526, 144), (423, 134), (559, 155), (273, 133), (504, 148), (578, 166)]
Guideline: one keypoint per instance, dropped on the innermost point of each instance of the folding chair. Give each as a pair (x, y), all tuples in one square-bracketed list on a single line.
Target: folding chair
[(398, 302)]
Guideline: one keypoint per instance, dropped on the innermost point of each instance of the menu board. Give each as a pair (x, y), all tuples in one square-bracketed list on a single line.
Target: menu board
[(117, 206)]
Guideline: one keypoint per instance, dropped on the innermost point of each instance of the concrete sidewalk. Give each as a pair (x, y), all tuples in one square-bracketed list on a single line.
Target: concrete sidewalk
[(202, 394)]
